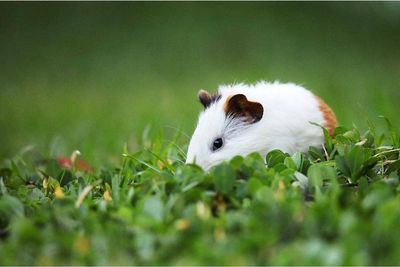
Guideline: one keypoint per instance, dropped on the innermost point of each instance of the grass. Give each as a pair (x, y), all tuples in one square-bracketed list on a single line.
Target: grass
[(118, 82), (333, 207)]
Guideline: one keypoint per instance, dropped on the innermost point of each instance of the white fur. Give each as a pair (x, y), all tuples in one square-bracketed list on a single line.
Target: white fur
[(285, 125)]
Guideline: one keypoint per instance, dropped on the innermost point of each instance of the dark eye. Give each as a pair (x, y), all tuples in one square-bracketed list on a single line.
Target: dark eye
[(217, 144)]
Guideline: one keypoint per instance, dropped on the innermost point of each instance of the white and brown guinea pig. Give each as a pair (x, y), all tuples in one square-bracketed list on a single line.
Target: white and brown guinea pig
[(240, 119)]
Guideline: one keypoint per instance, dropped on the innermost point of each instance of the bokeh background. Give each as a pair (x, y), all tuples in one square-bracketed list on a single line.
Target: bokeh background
[(96, 76)]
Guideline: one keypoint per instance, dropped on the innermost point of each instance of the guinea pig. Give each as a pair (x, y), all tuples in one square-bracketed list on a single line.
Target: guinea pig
[(240, 119)]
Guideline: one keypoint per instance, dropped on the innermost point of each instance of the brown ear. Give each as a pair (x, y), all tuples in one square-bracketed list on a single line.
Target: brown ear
[(239, 106), (206, 98)]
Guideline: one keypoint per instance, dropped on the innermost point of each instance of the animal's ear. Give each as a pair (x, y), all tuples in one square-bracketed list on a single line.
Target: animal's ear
[(207, 99), (204, 97), (239, 106)]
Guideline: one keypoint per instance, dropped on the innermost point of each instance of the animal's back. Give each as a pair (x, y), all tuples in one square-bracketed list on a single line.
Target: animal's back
[(288, 111)]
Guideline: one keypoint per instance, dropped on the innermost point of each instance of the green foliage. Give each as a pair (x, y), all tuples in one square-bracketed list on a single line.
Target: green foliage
[(93, 75), (336, 206)]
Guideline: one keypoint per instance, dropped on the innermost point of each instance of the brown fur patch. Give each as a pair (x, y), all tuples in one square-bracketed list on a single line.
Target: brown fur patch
[(206, 99), (239, 106), (329, 116)]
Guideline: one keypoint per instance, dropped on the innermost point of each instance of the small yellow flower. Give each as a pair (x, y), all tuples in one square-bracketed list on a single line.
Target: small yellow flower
[(58, 192), (45, 183), (81, 245), (107, 196), (160, 164), (182, 224)]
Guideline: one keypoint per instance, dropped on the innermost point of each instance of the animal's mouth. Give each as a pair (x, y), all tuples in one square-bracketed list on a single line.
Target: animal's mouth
[(208, 165), (204, 165)]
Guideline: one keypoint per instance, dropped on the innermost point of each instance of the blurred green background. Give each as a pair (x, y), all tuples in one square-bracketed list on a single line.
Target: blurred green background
[(92, 76)]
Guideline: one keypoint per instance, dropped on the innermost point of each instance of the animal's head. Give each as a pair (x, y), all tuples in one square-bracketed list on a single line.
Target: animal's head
[(227, 127)]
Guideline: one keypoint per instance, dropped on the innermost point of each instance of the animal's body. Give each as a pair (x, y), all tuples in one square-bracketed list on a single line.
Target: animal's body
[(240, 119)]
